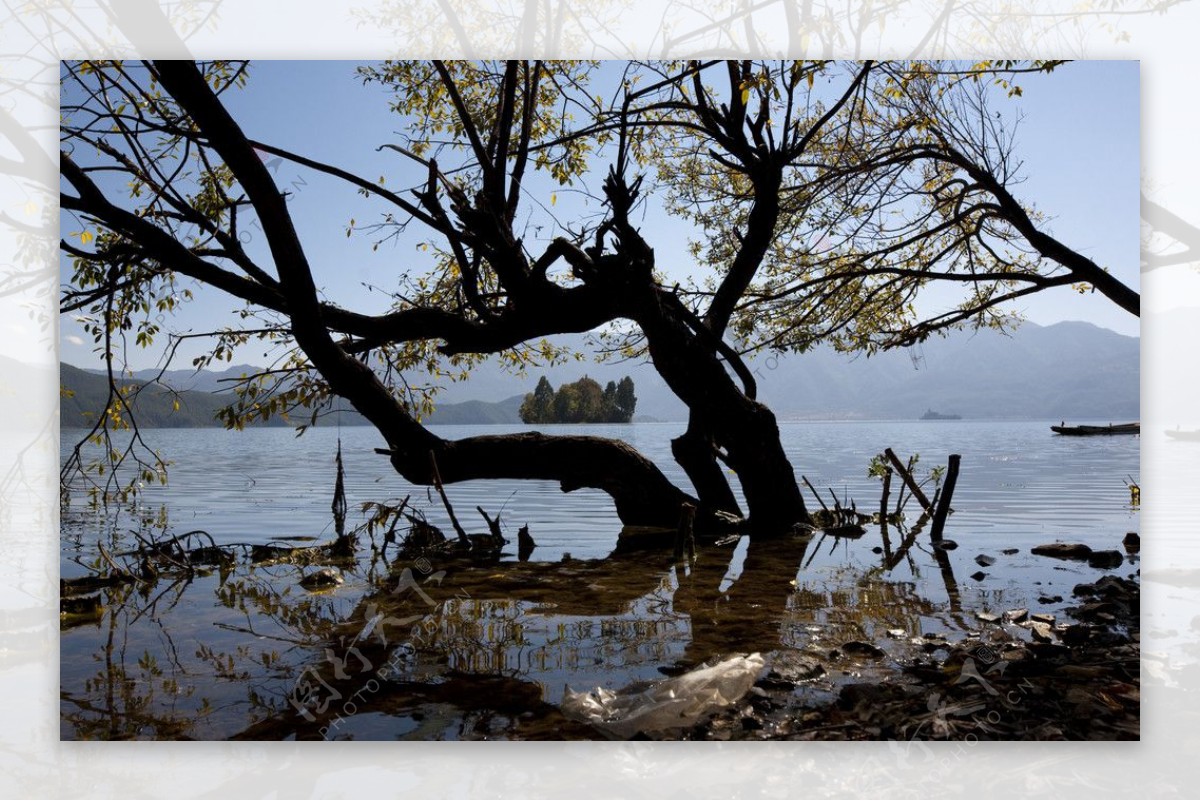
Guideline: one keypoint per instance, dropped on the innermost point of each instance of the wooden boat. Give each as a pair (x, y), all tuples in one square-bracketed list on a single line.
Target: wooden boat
[(1091, 431), (1192, 436)]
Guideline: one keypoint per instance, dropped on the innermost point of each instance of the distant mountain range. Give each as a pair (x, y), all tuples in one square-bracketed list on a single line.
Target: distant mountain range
[(1068, 371)]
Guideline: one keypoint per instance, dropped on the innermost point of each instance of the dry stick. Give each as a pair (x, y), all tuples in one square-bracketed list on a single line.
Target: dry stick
[(900, 499), (883, 513), (493, 525), (908, 480), (816, 494), (943, 507), (437, 482), (837, 507), (113, 567)]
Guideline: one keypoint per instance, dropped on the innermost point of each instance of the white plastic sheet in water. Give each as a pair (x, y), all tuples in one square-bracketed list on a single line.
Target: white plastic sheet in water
[(678, 702)]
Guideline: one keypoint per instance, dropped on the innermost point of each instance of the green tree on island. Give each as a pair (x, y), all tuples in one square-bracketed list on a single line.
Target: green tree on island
[(580, 402)]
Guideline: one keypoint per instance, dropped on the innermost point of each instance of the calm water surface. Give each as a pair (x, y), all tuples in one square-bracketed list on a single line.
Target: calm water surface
[(216, 656)]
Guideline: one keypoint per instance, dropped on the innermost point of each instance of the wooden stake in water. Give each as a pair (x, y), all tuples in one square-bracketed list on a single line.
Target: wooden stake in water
[(339, 495), (943, 507)]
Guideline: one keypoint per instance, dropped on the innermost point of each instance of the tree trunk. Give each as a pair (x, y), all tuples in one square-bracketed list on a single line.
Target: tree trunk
[(695, 452), (642, 494), (745, 429)]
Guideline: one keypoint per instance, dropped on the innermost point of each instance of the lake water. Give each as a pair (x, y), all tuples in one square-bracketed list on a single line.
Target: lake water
[(214, 656)]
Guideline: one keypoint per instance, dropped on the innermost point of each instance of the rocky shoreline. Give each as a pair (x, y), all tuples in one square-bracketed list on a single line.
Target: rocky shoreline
[(1067, 681)]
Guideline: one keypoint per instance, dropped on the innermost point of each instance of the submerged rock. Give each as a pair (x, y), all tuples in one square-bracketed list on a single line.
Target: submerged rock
[(983, 560), (1106, 559), (863, 649), (794, 668), (1063, 550), (323, 579)]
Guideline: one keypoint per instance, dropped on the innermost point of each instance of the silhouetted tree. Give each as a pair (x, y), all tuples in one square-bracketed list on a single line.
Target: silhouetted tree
[(824, 195)]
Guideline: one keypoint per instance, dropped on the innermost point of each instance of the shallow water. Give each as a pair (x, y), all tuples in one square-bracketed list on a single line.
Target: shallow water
[(226, 652)]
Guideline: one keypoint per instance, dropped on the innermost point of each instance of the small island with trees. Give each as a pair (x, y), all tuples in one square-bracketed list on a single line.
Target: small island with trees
[(580, 402)]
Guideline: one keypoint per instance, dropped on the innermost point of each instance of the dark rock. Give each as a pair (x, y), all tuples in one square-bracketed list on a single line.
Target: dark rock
[(1076, 635), (1010, 551), (1041, 631), (322, 579), (795, 668), (1132, 542), (1096, 608), (946, 545), (1051, 652), (863, 649), (979, 575), (1106, 559), (1063, 550), (1050, 599), (88, 605), (983, 560), (750, 723), (877, 549)]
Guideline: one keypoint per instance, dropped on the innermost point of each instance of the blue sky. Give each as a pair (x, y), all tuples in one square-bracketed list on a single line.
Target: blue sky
[(1078, 139)]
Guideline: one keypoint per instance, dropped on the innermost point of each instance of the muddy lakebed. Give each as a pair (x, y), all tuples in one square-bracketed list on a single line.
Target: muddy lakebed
[(811, 637)]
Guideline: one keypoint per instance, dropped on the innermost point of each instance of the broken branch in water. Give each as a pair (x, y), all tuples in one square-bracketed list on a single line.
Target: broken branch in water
[(909, 481), (816, 494), (437, 482)]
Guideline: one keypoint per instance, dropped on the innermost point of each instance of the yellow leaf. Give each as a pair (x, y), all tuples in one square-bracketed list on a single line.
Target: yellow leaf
[(175, 405), (553, 198), (746, 95)]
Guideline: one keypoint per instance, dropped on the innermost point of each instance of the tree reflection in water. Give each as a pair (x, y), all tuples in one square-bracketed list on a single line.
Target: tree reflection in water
[(446, 647)]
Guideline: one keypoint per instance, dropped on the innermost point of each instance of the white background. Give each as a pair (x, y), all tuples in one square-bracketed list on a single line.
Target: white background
[(34, 763)]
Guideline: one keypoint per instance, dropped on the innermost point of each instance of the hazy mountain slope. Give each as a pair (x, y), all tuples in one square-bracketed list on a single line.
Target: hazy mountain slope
[(475, 412), (153, 406), (1066, 371)]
